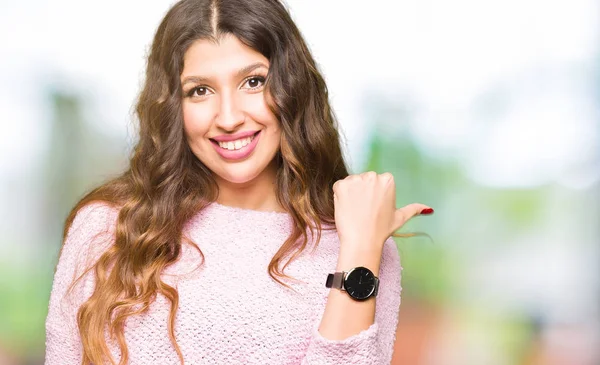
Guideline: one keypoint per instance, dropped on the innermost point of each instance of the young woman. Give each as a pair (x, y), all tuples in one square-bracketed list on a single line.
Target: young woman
[(237, 235)]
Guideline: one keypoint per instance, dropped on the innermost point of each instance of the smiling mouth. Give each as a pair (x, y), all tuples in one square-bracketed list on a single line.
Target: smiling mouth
[(237, 144)]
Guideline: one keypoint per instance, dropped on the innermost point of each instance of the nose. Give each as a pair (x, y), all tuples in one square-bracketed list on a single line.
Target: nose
[(230, 115)]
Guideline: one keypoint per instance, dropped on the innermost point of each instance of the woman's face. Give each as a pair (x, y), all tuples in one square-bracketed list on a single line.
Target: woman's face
[(227, 122)]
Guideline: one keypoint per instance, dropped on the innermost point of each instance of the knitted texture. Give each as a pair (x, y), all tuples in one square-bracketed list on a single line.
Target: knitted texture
[(230, 310)]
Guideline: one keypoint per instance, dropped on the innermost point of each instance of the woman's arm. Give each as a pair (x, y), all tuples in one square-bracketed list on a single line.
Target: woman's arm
[(352, 332), (365, 218), (335, 324)]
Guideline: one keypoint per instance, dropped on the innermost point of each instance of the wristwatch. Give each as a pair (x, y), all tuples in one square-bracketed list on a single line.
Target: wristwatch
[(360, 283)]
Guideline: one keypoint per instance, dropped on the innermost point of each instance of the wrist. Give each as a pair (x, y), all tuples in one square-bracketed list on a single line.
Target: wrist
[(348, 260)]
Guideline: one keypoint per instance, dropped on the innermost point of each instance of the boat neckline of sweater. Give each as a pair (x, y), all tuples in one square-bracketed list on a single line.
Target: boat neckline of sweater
[(248, 211), (263, 215)]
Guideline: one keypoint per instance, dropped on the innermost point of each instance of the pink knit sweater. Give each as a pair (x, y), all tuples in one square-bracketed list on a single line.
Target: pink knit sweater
[(230, 310)]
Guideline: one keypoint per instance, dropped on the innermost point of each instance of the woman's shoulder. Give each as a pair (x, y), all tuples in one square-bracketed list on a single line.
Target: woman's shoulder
[(95, 216), (91, 231)]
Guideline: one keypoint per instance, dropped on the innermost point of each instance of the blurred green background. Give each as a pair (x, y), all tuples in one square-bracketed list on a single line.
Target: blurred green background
[(487, 111)]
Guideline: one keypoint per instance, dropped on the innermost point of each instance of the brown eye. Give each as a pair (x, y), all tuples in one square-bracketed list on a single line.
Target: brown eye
[(255, 82), (198, 91)]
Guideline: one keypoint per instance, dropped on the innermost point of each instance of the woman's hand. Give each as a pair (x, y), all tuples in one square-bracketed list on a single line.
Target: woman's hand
[(366, 215)]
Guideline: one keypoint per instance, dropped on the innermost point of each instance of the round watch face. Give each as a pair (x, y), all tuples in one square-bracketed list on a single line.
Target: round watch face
[(360, 283)]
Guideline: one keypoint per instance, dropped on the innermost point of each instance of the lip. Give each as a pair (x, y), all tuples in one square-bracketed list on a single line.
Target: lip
[(233, 137), (237, 154)]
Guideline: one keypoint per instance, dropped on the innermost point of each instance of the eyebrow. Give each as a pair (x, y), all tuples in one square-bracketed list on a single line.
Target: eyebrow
[(241, 72)]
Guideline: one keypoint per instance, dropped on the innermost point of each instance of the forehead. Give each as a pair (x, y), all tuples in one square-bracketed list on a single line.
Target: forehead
[(227, 56)]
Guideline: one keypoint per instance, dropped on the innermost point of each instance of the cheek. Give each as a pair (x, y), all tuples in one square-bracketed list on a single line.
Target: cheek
[(262, 113), (196, 121)]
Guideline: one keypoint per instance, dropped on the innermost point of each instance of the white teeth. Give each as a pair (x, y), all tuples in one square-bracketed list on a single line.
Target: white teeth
[(237, 144)]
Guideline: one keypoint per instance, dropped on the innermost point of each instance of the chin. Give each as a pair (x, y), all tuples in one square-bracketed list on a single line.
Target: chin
[(238, 179), (237, 176)]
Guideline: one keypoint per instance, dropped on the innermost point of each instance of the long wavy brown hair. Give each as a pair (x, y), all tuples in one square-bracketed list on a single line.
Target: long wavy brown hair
[(165, 184)]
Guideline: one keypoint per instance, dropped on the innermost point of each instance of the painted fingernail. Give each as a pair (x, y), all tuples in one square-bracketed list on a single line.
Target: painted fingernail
[(427, 211)]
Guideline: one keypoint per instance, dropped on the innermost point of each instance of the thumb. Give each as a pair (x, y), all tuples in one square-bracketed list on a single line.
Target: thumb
[(405, 213)]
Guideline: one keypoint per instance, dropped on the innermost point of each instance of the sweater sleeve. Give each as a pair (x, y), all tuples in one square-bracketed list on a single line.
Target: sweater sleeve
[(90, 234), (373, 346)]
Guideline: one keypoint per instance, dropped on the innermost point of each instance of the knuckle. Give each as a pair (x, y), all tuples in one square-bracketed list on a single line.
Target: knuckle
[(388, 179), (387, 176), (336, 185), (369, 175), (414, 209), (351, 178)]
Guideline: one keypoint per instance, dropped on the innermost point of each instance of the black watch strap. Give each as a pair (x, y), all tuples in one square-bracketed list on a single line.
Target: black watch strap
[(335, 280), (376, 287)]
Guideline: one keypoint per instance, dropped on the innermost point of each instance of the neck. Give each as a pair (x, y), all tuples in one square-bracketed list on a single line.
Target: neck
[(258, 194)]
